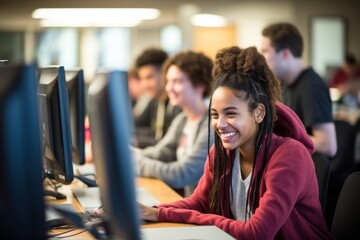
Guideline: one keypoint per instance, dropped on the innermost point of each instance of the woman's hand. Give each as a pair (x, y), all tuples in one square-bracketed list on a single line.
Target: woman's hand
[(148, 213)]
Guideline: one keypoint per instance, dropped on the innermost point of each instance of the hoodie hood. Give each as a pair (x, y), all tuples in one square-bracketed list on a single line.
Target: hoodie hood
[(288, 124)]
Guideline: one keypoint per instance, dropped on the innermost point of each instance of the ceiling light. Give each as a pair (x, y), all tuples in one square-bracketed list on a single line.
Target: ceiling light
[(208, 20), (94, 17), (138, 13), (89, 23)]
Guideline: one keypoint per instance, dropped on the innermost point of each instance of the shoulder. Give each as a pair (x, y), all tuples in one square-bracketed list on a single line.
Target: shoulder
[(289, 151), (180, 118)]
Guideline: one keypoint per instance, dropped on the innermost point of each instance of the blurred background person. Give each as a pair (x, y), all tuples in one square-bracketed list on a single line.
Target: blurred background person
[(178, 158), (303, 90), (346, 80), (135, 90), (152, 113), (342, 76)]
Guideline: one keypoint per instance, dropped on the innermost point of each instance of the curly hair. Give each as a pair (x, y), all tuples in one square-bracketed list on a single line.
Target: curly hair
[(196, 66), (151, 56), (246, 73), (285, 35)]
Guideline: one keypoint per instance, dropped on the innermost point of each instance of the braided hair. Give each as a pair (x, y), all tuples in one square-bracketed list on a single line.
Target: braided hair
[(245, 71)]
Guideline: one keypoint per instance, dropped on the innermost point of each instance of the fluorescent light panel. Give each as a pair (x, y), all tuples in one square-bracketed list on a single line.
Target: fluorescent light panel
[(89, 23), (94, 17), (208, 20)]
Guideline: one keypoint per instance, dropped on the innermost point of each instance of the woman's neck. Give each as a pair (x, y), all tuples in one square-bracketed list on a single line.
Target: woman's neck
[(246, 161)]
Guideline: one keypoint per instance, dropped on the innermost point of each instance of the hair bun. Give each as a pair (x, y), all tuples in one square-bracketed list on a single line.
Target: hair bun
[(225, 61)]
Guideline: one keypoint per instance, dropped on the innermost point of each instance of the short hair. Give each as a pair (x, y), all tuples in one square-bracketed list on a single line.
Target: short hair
[(196, 66), (350, 59), (285, 35), (151, 56)]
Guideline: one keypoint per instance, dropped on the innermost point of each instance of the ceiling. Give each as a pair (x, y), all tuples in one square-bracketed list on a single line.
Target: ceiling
[(16, 14)]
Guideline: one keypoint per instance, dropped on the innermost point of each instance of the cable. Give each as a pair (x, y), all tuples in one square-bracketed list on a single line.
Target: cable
[(67, 236), (59, 234)]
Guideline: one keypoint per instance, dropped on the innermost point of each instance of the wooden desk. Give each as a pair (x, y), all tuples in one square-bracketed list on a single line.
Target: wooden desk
[(164, 194), (156, 187), (347, 114)]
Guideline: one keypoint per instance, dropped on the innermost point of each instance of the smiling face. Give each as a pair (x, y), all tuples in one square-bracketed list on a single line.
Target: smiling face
[(232, 121), (180, 89)]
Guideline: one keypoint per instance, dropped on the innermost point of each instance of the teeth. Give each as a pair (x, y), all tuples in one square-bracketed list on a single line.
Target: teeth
[(230, 134)]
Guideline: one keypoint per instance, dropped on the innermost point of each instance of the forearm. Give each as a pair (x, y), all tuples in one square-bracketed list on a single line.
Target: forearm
[(324, 139)]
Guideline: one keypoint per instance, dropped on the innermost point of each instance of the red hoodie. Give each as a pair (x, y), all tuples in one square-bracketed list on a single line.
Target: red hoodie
[(289, 206)]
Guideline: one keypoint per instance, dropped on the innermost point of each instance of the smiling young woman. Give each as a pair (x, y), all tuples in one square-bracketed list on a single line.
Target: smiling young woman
[(259, 179)]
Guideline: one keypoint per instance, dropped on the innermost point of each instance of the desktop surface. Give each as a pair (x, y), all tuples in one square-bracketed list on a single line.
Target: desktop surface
[(185, 233), (156, 187)]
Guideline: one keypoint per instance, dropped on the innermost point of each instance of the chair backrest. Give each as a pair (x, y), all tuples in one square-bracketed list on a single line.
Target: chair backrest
[(346, 221), (342, 163), (322, 169), (357, 146)]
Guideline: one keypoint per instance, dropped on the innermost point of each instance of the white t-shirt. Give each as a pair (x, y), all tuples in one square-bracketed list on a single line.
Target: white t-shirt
[(185, 147), (240, 189), (187, 138)]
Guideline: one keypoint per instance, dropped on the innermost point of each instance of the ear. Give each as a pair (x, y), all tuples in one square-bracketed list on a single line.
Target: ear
[(287, 53), (200, 88), (260, 112)]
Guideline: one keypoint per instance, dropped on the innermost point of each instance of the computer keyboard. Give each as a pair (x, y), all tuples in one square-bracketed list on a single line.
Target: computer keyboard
[(55, 219), (89, 198), (89, 216)]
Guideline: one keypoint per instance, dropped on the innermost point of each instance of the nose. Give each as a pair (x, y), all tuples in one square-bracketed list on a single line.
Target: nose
[(221, 122)]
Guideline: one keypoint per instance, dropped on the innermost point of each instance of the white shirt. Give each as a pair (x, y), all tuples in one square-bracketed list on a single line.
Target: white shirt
[(240, 189)]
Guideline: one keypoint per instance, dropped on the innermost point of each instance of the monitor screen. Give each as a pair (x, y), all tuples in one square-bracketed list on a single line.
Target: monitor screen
[(21, 190), (110, 127), (57, 145), (75, 87)]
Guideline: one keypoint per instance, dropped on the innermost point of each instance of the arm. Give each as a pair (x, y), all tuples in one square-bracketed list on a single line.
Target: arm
[(324, 138), (187, 169), (197, 201), (317, 110), (165, 149), (286, 177)]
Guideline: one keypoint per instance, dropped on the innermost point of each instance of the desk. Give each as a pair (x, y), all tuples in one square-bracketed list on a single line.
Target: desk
[(155, 186), (347, 114)]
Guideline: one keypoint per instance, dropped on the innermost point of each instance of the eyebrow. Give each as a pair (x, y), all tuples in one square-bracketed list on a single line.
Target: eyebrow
[(226, 109)]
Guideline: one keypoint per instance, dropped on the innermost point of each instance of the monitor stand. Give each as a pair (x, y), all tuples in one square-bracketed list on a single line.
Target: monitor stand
[(52, 193), (55, 194)]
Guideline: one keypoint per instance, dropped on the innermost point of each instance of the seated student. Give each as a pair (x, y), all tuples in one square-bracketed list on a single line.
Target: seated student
[(348, 71), (259, 180), (178, 158), (152, 113), (134, 86)]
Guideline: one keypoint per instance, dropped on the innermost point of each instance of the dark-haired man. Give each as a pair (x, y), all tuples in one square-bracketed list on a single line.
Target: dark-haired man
[(152, 113), (303, 89)]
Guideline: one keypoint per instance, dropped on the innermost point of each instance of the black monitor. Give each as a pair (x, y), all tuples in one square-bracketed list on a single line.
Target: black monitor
[(110, 126), (21, 190), (57, 143), (75, 87)]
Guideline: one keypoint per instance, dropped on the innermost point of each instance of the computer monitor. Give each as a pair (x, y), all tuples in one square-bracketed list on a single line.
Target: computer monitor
[(75, 87), (57, 143), (110, 127), (21, 189)]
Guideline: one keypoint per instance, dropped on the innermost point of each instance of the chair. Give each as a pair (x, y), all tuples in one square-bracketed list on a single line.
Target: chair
[(357, 146), (322, 169), (341, 165), (346, 221)]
